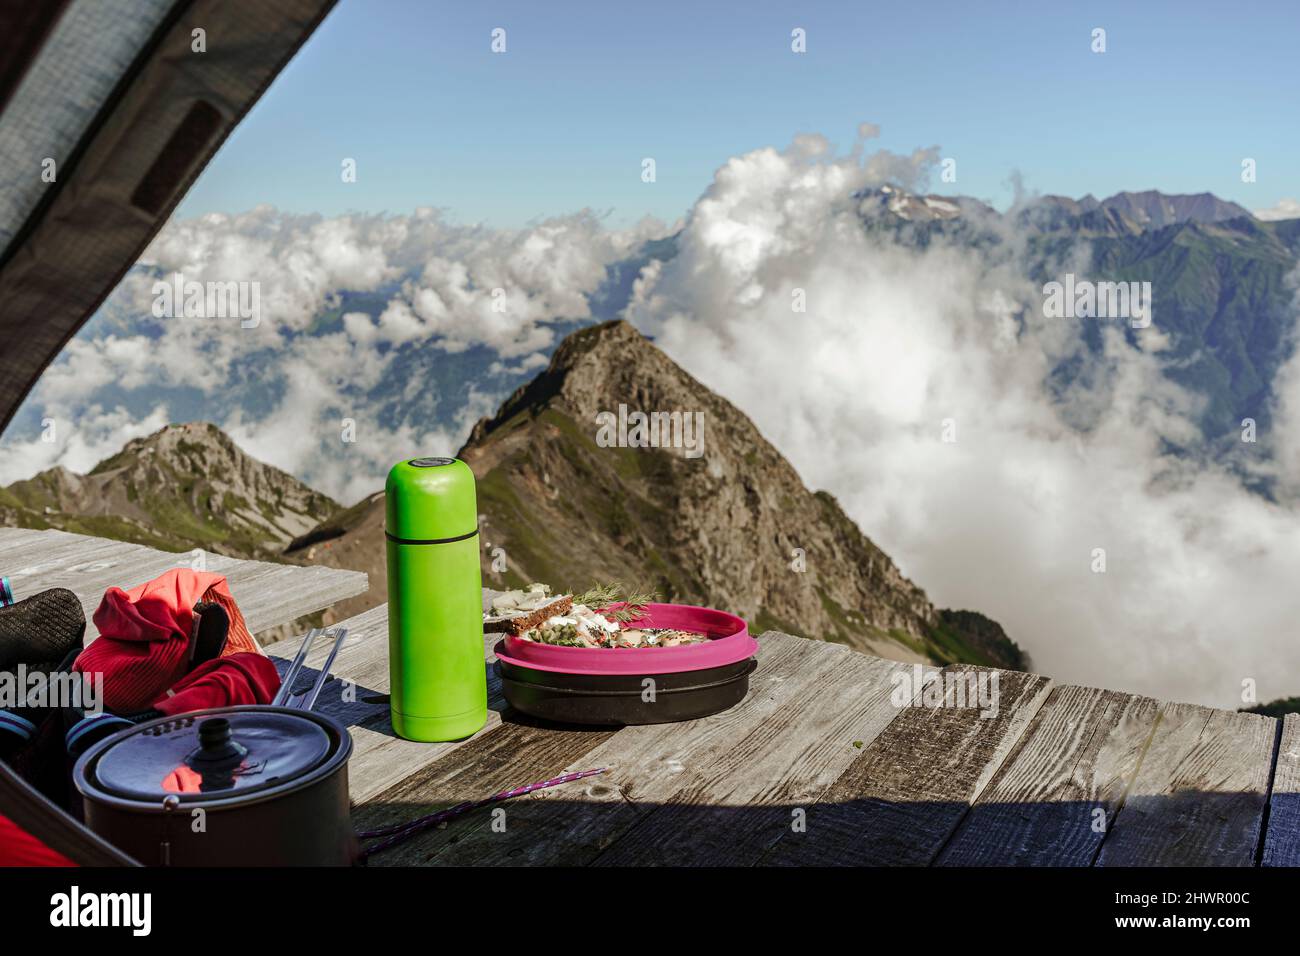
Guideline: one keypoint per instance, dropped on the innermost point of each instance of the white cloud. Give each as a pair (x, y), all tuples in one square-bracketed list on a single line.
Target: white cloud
[(1283, 209), (1195, 597), (290, 436), (529, 363), (457, 286), (78, 444), (501, 288)]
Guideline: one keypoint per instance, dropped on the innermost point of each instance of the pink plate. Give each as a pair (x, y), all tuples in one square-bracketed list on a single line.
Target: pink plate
[(729, 643)]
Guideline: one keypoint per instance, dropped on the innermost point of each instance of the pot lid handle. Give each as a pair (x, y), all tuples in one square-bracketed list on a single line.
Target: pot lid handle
[(217, 748)]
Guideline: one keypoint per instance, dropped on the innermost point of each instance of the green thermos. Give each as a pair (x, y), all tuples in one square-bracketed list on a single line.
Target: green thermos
[(438, 678)]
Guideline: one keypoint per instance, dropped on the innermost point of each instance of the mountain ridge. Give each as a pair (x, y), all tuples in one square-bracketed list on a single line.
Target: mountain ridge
[(183, 486)]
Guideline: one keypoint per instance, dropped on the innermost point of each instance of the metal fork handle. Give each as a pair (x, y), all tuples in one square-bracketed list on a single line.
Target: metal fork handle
[(310, 700), (291, 675)]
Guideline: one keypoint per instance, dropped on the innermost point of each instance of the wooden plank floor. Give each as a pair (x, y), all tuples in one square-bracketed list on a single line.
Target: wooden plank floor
[(836, 757), (268, 594)]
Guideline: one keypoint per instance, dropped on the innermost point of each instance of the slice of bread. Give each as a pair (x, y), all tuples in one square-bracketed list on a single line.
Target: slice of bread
[(506, 624)]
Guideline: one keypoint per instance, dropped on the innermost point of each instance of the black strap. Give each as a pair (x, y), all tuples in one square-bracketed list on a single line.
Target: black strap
[(459, 537)]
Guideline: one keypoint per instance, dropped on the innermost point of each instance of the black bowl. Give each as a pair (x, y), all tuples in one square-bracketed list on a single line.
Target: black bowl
[(621, 700)]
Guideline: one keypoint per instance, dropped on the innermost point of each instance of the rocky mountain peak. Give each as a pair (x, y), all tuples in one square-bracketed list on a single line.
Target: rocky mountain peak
[(183, 486), (1152, 209), (570, 493)]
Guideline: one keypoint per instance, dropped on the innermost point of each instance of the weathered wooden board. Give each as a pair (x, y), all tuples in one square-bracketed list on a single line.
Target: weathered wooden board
[(357, 695), (518, 752), (757, 789), (21, 547), (289, 592), (648, 767), (1053, 798), (268, 594), (907, 791), (1199, 793), (1282, 842)]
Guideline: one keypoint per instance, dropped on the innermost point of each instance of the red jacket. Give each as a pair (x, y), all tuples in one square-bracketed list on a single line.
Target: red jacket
[(143, 648)]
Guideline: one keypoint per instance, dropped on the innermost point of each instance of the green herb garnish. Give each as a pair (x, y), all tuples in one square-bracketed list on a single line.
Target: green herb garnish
[(603, 595)]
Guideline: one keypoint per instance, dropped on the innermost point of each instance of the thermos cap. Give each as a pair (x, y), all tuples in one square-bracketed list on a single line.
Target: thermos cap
[(430, 499)]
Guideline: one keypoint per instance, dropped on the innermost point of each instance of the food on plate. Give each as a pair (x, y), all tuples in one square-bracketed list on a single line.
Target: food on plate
[(519, 610), (533, 614)]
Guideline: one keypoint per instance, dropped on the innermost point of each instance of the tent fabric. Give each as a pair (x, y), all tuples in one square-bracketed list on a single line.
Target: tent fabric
[(166, 115), (87, 53), (24, 28)]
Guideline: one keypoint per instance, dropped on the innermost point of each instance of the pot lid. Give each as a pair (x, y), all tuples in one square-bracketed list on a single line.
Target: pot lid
[(207, 758)]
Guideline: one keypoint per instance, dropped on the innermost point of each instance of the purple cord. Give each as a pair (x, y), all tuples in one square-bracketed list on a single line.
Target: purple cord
[(400, 832)]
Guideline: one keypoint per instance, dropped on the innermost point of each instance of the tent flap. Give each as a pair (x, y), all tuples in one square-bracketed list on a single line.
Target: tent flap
[(166, 115)]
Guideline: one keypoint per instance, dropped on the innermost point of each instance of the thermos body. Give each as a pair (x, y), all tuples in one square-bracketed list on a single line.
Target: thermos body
[(437, 673)]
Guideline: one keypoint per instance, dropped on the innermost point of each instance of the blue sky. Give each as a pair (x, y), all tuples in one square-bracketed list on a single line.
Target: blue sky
[(562, 120)]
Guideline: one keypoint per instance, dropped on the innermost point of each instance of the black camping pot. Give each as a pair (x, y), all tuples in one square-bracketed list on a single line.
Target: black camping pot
[(229, 786)]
